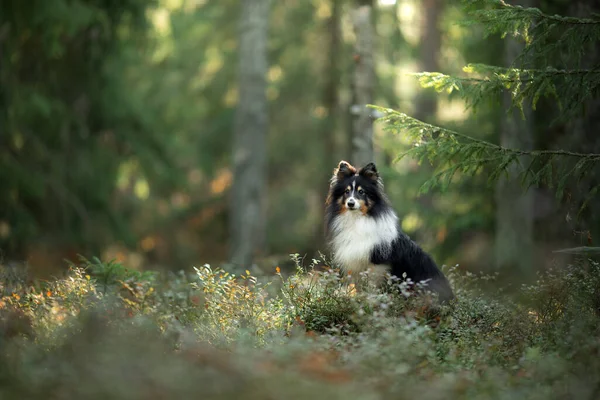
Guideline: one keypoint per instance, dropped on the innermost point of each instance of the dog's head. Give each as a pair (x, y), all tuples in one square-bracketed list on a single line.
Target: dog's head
[(353, 190)]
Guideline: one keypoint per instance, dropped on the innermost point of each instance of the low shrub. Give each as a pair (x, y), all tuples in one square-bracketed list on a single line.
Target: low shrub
[(104, 331)]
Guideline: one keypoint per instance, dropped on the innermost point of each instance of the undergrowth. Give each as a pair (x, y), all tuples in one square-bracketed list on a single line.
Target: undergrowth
[(104, 331)]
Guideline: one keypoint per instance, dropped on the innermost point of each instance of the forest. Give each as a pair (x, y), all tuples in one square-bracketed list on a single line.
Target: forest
[(164, 173)]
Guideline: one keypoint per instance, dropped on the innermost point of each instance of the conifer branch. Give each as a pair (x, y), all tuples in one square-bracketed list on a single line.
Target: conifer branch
[(519, 13), (505, 75), (545, 35), (454, 152), (548, 39), (523, 84)]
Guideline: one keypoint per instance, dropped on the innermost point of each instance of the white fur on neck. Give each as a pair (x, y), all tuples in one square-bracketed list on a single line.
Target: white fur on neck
[(354, 236)]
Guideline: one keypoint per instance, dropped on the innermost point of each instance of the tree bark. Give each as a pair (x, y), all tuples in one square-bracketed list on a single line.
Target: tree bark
[(247, 202), (426, 100), (363, 87), (332, 83), (429, 50), (514, 206), (331, 102)]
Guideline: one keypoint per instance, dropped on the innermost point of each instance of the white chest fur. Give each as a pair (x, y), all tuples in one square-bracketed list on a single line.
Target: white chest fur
[(354, 236)]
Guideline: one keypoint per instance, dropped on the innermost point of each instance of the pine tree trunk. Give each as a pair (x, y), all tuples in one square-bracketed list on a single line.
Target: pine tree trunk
[(514, 206), (363, 86), (248, 207)]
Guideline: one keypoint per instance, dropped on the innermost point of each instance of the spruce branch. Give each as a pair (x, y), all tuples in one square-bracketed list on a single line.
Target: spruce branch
[(519, 13), (545, 35), (485, 82), (456, 153)]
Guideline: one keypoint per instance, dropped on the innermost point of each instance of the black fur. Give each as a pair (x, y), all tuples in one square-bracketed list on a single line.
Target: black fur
[(405, 256), (408, 258)]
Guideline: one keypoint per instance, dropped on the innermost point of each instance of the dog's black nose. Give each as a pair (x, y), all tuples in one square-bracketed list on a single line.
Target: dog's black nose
[(351, 203)]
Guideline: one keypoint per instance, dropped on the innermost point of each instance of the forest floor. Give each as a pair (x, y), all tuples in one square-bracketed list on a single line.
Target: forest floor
[(106, 332)]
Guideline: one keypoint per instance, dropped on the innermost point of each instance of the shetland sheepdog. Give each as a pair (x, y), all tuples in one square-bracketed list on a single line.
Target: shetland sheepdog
[(364, 233)]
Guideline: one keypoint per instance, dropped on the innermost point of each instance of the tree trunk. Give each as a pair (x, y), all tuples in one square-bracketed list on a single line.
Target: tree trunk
[(514, 206), (331, 103), (332, 83), (426, 100), (247, 207), (429, 50), (582, 137), (363, 87)]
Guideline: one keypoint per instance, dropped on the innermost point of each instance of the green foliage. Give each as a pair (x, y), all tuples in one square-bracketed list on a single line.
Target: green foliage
[(548, 39), (570, 88), (319, 300), (116, 122), (68, 119), (545, 35), (458, 153), (235, 305), (112, 272), (246, 340)]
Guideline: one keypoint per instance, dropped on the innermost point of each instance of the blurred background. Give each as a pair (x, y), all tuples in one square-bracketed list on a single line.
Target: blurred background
[(121, 134)]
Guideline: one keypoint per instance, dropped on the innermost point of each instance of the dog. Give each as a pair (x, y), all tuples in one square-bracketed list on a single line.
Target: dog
[(363, 231)]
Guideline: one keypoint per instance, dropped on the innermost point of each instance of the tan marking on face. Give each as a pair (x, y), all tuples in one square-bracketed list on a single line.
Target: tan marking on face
[(363, 207), (359, 188), (342, 204)]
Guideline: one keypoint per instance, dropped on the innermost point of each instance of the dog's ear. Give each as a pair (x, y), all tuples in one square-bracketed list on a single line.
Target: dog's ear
[(343, 170), (369, 171)]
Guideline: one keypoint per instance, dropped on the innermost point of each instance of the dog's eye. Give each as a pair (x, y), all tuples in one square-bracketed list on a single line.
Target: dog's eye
[(347, 191), (361, 191)]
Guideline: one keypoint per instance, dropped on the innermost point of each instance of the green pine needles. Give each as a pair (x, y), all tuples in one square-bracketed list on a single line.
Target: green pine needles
[(548, 39)]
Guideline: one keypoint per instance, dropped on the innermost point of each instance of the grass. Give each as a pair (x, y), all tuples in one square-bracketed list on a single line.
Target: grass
[(103, 331)]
